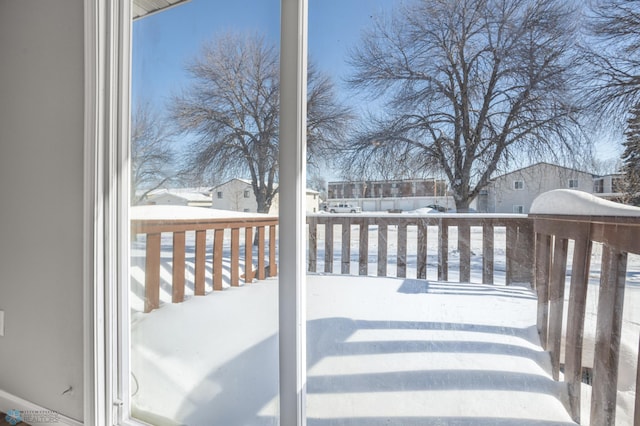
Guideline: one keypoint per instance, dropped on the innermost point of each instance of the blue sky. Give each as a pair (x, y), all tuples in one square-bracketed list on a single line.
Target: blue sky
[(164, 42)]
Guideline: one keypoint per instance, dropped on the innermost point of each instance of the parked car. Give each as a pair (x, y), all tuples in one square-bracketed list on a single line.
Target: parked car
[(344, 208), (437, 207)]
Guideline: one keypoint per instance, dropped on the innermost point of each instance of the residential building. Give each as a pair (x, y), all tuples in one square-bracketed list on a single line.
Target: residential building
[(237, 195), (514, 192), (609, 187), (193, 197), (380, 195)]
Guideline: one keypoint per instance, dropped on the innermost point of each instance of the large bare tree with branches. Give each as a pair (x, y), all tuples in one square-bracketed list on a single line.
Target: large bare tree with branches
[(152, 153), (231, 109), (613, 51), (613, 81), (466, 84)]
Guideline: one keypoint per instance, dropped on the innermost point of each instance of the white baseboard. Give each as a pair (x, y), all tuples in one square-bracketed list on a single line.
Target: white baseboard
[(11, 402)]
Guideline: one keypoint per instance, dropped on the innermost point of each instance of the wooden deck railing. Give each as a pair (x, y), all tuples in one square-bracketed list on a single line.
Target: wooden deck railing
[(544, 236), (619, 232), (199, 223), (519, 243)]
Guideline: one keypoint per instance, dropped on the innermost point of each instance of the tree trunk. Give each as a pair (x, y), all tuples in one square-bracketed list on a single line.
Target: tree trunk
[(461, 198), (462, 206)]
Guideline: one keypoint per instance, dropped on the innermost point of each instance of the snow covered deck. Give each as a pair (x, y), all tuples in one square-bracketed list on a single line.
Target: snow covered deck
[(381, 351), (414, 348)]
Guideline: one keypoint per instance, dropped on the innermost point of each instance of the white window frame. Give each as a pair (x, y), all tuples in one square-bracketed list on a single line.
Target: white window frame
[(219, 195), (571, 181), (518, 209), (515, 185), (106, 164)]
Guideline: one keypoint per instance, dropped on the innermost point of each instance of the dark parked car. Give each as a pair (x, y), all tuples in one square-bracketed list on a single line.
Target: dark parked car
[(437, 207)]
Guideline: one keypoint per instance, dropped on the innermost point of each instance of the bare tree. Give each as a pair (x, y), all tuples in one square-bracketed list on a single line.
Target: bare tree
[(613, 82), (152, 155), (467, 84), (631, 158), (232, 108), (317, 183)]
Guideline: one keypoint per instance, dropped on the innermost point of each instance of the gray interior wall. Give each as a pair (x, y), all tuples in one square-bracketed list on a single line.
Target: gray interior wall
[(41, 180)]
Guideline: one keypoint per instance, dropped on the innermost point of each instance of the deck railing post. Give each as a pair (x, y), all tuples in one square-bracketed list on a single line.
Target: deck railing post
[(421, 272), (313, 243), (152, 273), (273, 264), (177, 285), (201, 252), (575, 320), (464, 248), (328, 246), (487, 252), (235, 257), (636, 412), (382, 248), (363, 255), (218, 240), (443, 250), (543, 263), (556, 302), (401, 257), (346, 246), (248, 255), (261, 252), (608, 332)]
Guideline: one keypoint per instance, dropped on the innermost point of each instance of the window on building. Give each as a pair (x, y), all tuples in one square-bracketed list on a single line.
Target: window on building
[(219, 195), (246, 210), (518, 209), (598, 186), (247, 194), (573, 183), (518, 184)]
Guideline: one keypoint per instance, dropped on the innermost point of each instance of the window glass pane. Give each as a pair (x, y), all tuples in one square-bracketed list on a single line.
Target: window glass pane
[(414, 303), (204, 289)]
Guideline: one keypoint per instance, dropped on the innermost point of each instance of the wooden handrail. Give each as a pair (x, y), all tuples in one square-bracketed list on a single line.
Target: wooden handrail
[(153, 222), (617, 228), (519, 240)]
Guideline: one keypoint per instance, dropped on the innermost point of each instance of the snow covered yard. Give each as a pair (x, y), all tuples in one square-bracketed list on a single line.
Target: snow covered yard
[(381, 351)]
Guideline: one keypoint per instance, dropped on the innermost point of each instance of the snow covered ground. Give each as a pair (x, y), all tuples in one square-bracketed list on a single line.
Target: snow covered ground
[(382, 351)]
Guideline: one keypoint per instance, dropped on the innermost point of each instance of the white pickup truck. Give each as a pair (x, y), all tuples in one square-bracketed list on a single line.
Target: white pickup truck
[(343, 208)]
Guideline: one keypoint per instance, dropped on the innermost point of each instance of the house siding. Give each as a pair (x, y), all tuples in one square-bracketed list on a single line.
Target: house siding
[(233, 198), (501, 196)]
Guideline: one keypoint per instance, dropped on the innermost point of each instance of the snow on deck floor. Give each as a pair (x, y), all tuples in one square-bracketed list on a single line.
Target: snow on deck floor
[(381, 351)]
